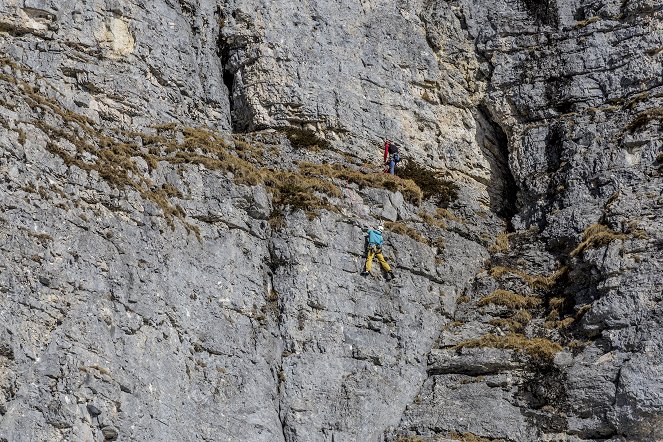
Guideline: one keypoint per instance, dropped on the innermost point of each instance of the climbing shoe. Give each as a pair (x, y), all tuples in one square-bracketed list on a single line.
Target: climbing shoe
[(364, 273)]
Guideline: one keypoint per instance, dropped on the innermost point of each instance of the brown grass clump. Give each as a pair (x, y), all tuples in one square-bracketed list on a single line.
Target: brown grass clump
[(515, 322), (559, 316), (588, 21), (643, 118), (557, 302), (408, 188), (305, 139), (560, 324), (404, 229), (501, 243), (471, 437), (298, 192), (431, 220), (539, 348), (441, 191), (446, 214), (534, 281), (506, 323), (522, 316), (22, 136), (597, 235), (509, 299)]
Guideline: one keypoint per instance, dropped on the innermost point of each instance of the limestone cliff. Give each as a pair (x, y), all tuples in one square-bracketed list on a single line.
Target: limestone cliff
[(185, 187)]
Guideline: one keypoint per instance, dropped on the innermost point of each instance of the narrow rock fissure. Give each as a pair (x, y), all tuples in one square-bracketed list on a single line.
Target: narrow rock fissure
[(544, 12), (505, 190), (229, 81), (224, 53), (273, 264)]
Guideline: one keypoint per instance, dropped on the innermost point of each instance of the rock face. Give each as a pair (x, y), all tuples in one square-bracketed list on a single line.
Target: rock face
[(185, 191)]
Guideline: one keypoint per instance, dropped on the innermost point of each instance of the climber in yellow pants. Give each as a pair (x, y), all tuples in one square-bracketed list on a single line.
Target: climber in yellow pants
[(375, 250)]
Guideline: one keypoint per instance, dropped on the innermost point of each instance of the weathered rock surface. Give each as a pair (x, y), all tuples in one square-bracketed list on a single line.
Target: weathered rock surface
[(152, 291)]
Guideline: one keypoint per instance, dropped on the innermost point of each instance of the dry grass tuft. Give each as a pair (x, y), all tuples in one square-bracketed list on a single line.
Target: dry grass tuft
[(515, 322), (559, 324), (471, 437), (535, 281), (432, 221), (293, 190), (539, 348), (643, 118), (596, 235), (501, 243), (305, 139), (404, 229), (588, 21), (408, 188), (439, 190), (446, 214), (509, 299), (463, 299)]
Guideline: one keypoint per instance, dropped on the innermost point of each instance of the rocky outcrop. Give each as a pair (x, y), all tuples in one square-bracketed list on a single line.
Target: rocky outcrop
[(185, 188)]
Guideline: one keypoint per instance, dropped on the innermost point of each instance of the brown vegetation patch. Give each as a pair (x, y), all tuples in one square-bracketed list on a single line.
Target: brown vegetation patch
[(440, 191), (534, 281), (588, 21), (559, 323), (305, 139), (515, 322), (597, 235), (643, 118), (501, 243), (408, 188), (404, 229), (471, 437), (446, 214), (509, 299), (431, 220), (539, 348)]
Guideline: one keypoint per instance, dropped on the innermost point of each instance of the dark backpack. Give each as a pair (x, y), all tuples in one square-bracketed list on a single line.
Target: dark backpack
[(393, 149)]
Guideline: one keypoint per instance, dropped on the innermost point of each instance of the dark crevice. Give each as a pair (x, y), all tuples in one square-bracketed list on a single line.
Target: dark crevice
[(544, 12), (224, 52), (503, 190), (554, 146)]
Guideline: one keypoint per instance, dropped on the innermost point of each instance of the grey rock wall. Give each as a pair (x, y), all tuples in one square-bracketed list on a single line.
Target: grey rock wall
[(122, 321), (135, 63)]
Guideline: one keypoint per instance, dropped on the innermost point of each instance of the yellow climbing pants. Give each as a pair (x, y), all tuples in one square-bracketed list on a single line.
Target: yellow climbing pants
[(376, 251)]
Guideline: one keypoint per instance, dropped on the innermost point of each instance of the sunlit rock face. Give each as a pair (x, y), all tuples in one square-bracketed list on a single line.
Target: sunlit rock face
[(186, 187)]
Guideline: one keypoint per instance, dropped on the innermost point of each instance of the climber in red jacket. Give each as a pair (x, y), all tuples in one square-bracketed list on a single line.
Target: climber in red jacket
[(391, 156)]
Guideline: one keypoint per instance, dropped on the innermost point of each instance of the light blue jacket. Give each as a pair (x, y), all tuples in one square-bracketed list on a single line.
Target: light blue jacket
[(374, 237)]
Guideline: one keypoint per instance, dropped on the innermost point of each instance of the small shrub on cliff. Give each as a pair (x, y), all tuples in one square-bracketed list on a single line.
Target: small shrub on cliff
[(515, 322), (501, 243), (539, 282), (597, 235), (408, 188), (509, 299), (471, 437), (440, 191), (403, 229), (538, 348), (305, 139)]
